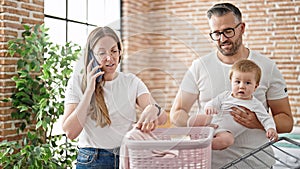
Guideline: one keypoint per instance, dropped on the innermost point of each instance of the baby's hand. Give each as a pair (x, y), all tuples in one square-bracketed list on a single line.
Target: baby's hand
[(211, 110), (272, 134)]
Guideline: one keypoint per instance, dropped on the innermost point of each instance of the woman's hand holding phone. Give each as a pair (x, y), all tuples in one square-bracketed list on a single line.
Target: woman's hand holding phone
[(95, 64), (94, 73)]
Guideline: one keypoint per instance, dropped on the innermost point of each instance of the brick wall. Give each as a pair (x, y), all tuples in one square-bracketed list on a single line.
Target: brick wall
[(13, 14), (135, 35), (176, 32)]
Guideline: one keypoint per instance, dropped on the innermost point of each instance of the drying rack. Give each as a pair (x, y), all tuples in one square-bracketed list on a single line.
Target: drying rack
[(292, 161)]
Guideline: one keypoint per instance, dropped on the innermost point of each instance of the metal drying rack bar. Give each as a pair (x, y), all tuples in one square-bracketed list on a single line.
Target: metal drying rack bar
[(295, 164)]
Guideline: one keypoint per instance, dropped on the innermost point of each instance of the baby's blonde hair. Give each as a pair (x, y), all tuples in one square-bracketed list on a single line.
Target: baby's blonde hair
[(246, 66)]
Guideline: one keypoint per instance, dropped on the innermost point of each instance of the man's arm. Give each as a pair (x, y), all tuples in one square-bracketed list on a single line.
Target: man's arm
[(281, 112), (282, 115), (181, 107)]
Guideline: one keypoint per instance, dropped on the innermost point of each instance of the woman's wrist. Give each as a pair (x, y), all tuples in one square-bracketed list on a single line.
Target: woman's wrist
[(159, 109)]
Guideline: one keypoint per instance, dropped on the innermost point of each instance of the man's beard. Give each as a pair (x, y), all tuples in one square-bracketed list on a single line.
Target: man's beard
[(235, 47)]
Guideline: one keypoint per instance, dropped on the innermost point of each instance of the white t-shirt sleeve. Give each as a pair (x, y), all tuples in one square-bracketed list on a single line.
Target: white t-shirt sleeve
[(189, 83), (141, 87), (277, 89), (73, 91)]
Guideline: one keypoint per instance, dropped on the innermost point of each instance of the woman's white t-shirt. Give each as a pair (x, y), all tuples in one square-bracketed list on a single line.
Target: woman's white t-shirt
[(120, 97)]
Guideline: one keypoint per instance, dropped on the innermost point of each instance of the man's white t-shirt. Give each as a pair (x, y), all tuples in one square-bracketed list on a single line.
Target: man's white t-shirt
[(208, 77), (120, 97)]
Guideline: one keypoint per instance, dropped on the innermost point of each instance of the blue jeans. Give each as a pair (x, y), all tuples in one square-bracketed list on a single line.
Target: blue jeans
[(94, 158)]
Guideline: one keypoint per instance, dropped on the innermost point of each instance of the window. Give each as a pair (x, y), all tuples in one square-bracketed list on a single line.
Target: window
[(73, 20)]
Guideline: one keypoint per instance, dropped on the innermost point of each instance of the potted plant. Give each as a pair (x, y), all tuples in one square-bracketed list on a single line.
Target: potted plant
[(43, 69)]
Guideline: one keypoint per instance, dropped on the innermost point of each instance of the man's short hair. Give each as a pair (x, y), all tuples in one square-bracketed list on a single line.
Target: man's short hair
[(222, 9)]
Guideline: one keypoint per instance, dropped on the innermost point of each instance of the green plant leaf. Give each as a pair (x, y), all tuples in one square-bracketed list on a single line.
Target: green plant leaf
[(42, 71), (39, 124)]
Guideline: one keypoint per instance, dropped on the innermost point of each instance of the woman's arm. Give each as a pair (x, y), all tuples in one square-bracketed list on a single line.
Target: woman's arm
[(75, 116), (150, 116), (71, 124)]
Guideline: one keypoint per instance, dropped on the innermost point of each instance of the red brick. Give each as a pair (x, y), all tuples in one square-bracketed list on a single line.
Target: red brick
[(9, 32), (5, 118), (6, 90), (26, 1), (9, 132), (31, 21), (8, 3), (30, 7), (12, 138), (6, 76), (5, 125), (38, 16), (7, 83), (38, 2), (8, 62), (15, 11), (17, 26), (9, 18)]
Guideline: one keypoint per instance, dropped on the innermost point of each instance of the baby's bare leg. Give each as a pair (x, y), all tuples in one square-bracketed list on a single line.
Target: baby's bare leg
[(222, 140)]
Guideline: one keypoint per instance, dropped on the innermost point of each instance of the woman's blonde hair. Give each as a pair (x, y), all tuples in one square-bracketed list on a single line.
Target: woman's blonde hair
[(98, 108)]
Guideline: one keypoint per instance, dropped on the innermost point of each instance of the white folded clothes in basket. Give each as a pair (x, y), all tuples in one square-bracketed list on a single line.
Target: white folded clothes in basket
[(167, 148), (165, 154)]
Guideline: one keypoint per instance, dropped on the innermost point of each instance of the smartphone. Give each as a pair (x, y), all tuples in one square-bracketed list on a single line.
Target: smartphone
[(94, 64)]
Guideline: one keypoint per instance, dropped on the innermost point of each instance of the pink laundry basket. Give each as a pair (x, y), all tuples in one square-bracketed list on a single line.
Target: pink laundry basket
[(190, 146)]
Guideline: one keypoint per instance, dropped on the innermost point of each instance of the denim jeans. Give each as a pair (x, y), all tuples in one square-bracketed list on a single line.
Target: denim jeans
[(93, 158)]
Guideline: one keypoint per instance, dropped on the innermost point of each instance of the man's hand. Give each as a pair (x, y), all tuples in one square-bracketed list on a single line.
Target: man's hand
[(246, 117)]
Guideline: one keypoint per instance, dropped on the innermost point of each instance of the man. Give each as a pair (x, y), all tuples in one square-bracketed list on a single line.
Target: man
[(208, 77)]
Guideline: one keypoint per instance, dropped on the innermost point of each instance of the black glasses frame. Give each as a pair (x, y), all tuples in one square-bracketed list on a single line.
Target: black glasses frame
[(223, 32)]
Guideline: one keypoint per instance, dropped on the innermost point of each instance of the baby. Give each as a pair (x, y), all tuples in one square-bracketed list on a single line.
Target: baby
[(244, 77)]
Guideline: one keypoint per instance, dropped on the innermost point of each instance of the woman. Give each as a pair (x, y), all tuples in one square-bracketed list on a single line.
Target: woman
[(100, 103)]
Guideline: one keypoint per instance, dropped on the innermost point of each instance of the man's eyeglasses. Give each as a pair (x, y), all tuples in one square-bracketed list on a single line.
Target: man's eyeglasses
[(228, 33), (102, 54)]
